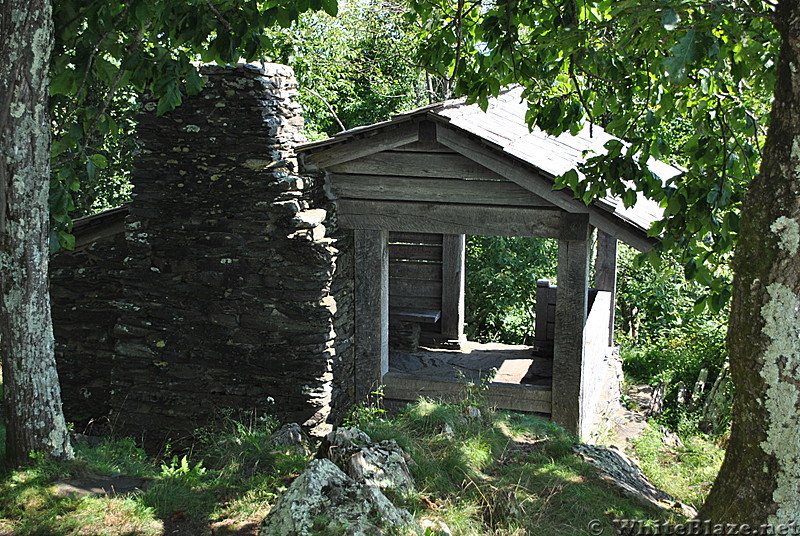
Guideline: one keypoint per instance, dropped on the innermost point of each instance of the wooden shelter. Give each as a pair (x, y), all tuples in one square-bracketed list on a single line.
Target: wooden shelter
[(411, 188)]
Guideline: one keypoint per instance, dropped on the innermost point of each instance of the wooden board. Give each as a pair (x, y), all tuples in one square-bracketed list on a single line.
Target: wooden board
[(415, 238), (425, 147), (415, 302), (415, 288), (504, 165), (449, 219), (358, 147), (416, 270), (403, 386), (404, 164), (392, 188), (415, 252), (409, 314)]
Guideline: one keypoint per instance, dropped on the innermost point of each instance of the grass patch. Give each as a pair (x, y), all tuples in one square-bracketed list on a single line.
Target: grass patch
[(500, 474), (685, 473), (495, 474), (230, 478)]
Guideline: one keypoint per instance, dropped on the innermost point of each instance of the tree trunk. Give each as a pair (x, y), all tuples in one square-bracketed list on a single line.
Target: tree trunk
[(760, 479), (34, 419)]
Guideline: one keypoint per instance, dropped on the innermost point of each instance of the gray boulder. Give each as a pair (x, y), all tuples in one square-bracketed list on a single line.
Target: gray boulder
[(324, 500)]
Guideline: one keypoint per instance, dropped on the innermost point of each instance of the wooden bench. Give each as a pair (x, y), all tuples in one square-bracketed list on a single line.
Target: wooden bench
[(405, 326), (411, 314)]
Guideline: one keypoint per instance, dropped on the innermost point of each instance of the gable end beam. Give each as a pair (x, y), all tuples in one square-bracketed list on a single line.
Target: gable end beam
[(357, 147)]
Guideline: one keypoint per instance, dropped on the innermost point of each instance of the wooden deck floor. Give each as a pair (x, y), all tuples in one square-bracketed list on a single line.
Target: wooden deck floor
[(521, 382)]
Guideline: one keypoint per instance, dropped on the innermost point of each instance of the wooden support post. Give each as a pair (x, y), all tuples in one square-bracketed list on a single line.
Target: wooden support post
[(371, 311), (605, 267), (571, 310), (453, 247)]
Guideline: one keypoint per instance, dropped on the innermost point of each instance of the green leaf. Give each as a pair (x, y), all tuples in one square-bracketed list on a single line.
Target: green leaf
[(683, 55), (99, 161), (194, 82), (66, 240), (670, 19), (331, 7)]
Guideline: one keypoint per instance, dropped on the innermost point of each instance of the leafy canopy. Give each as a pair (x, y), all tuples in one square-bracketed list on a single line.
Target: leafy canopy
[(682, 80), (107, 52)]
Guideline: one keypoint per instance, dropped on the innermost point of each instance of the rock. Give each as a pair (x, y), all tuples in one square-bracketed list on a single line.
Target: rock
[(291, 437), (324, 500), (670, 439), (656, 400), (343, 442), (624, 473), (382, 465), (117, 486), (435, 527)]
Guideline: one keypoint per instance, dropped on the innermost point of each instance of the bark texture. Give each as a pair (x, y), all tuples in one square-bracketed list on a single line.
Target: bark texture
[(760, 479), (34, 419)]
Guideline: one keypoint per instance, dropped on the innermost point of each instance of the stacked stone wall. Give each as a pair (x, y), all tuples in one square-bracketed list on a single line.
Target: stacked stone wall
[(236, 289), (84, 286)]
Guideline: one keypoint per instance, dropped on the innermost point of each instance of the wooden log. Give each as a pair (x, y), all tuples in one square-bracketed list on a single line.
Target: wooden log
[(568, 346), (453, 250), (371, 311), (403, 386), (430, 271), (352, 149), (449, 219), (404, 164), (415, 252), (483, 192)]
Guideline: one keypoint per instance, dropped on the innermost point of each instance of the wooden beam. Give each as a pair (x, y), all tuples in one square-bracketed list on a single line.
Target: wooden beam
[(371, 311), (405, 164), (605, 269), (568, 347), (610, 224), (403, 386), (392, 188), (449, 219), (453, 251), (574, 226), (359, 147)]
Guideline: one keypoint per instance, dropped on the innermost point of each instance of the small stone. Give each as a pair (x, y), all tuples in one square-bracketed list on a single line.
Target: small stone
[(291, 437)]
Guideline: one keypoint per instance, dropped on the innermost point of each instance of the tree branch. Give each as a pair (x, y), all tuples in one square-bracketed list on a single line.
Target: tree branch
[(329, 106)]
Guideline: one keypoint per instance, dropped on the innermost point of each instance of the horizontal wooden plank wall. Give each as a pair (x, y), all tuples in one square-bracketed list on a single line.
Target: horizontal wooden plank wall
[(415, 273), (530, 398)]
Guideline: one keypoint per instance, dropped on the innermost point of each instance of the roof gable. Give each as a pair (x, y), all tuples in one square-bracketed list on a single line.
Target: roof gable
[(496, 143)]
